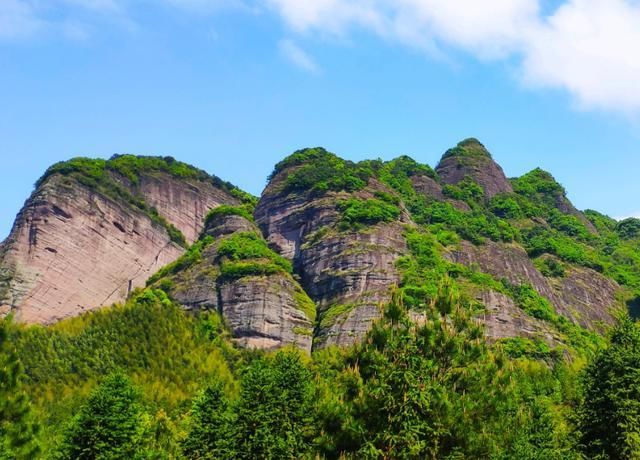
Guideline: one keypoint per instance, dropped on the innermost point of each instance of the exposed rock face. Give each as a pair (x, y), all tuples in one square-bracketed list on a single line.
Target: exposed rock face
[(430, 189), (583, 295), (504, 319), (265, 312), (348, 274), (74, 249), (185, 203), (471, 159)]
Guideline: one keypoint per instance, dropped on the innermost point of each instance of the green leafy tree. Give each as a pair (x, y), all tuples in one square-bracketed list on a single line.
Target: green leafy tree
[(110, 425), (609, 418), (275, 410), (212, 422), (17, 428), (424, 389)]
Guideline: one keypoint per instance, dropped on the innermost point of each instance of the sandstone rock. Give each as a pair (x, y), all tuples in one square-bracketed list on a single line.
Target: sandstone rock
[(583, 295), (73, 248), (347, 272), (470, 158), (263, 312)]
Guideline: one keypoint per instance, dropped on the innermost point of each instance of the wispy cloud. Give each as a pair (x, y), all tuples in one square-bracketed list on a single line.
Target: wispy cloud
[(298, 56), (586, 47), (18, 20)]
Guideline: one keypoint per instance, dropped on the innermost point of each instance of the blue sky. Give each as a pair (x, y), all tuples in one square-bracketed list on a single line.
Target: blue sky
[(233, 86)]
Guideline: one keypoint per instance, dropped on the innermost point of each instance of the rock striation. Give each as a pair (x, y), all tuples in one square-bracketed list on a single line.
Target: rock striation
[(583, 295), (80, 242), (263, 310), (324, 250), (349, 274)]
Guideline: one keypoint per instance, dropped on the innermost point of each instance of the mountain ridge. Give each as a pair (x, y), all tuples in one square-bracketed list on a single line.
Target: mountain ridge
[(346, 228)]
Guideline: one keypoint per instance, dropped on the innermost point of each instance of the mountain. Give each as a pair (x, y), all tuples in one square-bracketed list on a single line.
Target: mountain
[(379, 309), (323, 250), (94, 230)]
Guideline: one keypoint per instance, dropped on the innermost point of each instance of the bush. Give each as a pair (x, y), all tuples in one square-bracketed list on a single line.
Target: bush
[(358, 213), (224, 210)]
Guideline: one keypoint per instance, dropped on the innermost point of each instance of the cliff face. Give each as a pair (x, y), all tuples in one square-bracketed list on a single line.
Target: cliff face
[(471, 159), (234, 275), (582, 295), (328, 245), (348, 272), (78, 245)]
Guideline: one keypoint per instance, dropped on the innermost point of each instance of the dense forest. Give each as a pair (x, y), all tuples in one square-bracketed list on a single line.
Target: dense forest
[(146, 379)]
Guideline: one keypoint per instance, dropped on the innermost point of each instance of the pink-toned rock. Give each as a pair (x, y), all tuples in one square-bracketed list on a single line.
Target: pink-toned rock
[(73, 249)]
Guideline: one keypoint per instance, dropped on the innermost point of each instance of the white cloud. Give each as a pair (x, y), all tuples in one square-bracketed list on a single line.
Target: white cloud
[(17, 19), (592, 49), (298, 56), (586, 47)]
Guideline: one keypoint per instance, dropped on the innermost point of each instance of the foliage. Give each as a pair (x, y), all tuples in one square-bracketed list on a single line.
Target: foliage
[(609, 417), (192, 256), (108, 425), (224, 210), (17, 426), (271, 419), (629, 228), (319, 171), (247, 254), (166, 352), (468, 148), (432, 389), (356, 213)]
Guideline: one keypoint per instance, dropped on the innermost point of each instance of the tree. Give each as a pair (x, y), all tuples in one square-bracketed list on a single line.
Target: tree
[(17, 429), (609, 417), (109, 425), (212, 421), (275, 410), (421, 389)]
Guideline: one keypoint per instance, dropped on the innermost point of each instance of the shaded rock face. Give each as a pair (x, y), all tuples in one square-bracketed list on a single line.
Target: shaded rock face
[(73, 249), (432, 190), (261, 311), (503, 319), (347, 274), (471, 159), (185, 203), (583, 295)]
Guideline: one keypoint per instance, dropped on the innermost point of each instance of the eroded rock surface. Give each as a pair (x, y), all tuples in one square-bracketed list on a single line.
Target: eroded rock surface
[(583, 295), (266, 312), (73, 248), (470, 158), (348, 274)]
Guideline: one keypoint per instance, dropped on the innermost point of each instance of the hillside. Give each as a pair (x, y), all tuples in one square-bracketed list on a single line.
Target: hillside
[(476, 297)]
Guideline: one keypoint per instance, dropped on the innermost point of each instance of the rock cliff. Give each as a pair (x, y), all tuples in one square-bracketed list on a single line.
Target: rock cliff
[(92, 232), (471, 159), (232, 271), (348, 271), (328, 245)]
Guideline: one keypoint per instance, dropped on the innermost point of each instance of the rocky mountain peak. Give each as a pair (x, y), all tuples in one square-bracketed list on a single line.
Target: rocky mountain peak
[(470, 147), (95, 229), (470, 159)]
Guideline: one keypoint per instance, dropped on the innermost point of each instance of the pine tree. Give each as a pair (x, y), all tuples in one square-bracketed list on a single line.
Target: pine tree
[(275, 410), (109, 425), (609, 418), (210, 436), (17, 429)]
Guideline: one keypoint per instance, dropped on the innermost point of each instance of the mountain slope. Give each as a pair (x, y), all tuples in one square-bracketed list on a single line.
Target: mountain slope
[(93, 230), (340, 240)]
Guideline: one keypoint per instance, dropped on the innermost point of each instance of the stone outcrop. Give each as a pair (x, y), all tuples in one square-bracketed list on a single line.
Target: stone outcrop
[(73, 248), (471, 159), (266, 312), (582, 295), (347, 274)]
